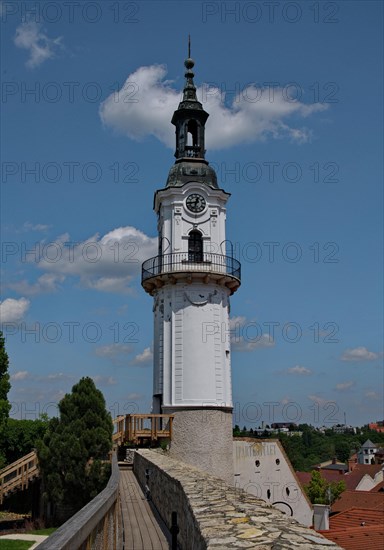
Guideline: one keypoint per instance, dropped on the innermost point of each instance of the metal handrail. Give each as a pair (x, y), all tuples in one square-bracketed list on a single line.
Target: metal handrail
[(206, 262)]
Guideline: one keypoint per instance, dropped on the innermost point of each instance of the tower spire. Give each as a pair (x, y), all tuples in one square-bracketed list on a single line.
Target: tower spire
[(189, 120)]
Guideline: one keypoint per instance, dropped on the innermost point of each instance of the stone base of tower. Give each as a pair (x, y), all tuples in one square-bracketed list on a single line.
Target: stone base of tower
[(204, 439)]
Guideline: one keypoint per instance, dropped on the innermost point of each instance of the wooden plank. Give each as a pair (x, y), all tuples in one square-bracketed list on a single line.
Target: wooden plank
[(141, 529)]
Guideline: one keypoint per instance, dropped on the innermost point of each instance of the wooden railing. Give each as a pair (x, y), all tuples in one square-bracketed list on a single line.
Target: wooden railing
[(134, 428), (17, 475), (97, 526)]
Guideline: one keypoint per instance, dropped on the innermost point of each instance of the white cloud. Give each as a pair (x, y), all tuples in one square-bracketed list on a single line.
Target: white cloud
[(45, 283), (107, 263), (135, 396), (247, 335), (116, 353), (298, 370), (104, 380), (145, 104), (143, 359), (19, 375), (28, 226), (30, 37), (13, 311), (373, 395), (344, 386), (318, 399), (359, 354)]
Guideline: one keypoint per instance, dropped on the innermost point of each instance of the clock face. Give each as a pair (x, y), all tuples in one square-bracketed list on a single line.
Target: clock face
[(195, 203)]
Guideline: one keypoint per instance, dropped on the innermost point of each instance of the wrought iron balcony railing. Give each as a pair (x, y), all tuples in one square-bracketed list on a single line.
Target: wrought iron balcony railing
[(191, 262)]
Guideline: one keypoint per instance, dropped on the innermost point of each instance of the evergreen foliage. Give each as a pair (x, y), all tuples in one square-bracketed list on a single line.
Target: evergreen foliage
[(72, 454), (5, 386)]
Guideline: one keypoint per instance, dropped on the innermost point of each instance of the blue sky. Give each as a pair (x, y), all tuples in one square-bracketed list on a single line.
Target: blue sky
[(294, 92)]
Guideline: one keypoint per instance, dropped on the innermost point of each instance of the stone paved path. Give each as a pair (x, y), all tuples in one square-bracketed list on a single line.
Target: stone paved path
[(141, 529)]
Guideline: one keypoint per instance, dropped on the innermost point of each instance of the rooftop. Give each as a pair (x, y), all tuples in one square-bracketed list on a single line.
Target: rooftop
[(360, 499)]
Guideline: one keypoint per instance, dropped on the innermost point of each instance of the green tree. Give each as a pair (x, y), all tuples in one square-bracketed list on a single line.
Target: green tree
[(5, 386), (21, 436), (73, 453), (320, 491), (342, 449)]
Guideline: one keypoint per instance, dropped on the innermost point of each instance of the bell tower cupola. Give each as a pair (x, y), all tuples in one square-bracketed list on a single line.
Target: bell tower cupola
[(189, 120)]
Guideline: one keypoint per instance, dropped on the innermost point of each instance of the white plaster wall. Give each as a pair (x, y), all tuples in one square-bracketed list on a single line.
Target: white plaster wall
[(177, 221), (266, 475), (367, 482), (192, 351)]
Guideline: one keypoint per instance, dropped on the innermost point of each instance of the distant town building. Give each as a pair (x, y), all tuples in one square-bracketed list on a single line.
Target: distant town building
[(366, 454), (377, 426), (343, 429)]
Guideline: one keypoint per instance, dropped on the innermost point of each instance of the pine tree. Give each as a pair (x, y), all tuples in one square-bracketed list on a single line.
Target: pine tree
[(5, 406), (73, 452), (5, 385)]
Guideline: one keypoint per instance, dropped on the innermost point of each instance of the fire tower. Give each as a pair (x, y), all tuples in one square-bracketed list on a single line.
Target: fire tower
[(191, 280)]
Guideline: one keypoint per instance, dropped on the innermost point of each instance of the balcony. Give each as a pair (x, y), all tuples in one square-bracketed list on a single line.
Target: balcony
[(190, 267)]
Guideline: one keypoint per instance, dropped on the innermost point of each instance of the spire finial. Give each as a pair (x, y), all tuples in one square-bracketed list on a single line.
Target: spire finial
[(189, 45)]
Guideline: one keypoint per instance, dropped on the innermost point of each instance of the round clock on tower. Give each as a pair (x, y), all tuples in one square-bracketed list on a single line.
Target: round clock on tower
[(191, 280)]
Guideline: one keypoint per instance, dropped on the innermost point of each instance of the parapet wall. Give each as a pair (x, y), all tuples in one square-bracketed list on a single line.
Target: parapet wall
[(212, 514)]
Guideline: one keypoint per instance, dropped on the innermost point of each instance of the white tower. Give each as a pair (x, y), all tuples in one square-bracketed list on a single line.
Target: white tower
[(191, 281)]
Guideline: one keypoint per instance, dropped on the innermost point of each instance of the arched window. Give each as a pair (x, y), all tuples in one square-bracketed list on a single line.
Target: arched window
[(191, 139), (195, 246)]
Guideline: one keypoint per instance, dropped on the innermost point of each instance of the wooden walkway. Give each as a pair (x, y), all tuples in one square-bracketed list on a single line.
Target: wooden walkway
[(141, 529)]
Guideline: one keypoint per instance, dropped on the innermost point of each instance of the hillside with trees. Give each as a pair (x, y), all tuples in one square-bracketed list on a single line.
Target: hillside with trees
[(314, 446)]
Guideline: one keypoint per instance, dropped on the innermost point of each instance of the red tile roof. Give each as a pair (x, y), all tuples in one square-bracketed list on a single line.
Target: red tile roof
[(351, 479), (329, 475), (359, 499), (357, 528), (357, 517), (378, 487), (357, 538)]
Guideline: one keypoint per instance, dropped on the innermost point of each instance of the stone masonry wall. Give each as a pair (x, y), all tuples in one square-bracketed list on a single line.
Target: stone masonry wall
[(213, 515)]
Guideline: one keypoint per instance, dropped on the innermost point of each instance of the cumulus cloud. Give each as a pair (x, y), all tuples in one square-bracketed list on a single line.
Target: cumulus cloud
[(318, 400), (104, 380), (107, 263), (373, 395), (247, 335), (116, 353), (135, 396), (19, 375), (298, 370), (13, 311), (45, 283), (30, 36), (359, 354), (28, 226), (344, 386), (145, 104), (143, 359)]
